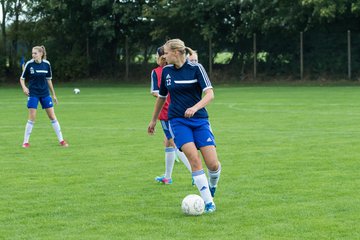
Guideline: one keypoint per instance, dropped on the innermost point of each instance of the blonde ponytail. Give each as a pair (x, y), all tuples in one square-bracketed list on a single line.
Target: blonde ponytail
[(42, 50), (189, 51)]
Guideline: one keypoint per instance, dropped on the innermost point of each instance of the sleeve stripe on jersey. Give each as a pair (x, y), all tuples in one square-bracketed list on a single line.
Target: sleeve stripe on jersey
[(41, 71), (152, 82), (161, 96), (22, 75), (186, 81), (203, 73), (207, 88), (30, 61)]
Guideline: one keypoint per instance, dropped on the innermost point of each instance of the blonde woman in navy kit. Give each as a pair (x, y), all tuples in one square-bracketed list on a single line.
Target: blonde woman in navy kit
[(186, 82), (170, 149), (38, 73)]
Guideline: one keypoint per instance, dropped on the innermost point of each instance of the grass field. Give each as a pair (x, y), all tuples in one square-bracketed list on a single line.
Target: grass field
[(290, 158)]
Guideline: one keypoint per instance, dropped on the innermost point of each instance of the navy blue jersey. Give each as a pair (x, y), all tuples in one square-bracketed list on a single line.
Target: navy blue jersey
[(37, 74), (185, 85)]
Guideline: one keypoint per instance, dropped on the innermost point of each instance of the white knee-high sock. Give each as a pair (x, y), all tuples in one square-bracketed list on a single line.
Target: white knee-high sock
[(214, 176), (28, 128), (202, 184), (184, 159), (169, 161), (57, 129)]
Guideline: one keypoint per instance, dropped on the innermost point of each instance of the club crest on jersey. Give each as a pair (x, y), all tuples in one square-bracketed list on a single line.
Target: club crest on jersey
[(32, 70), (168, 80)]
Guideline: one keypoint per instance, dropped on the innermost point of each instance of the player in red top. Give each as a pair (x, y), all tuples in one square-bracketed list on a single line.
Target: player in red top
[(170, 149)]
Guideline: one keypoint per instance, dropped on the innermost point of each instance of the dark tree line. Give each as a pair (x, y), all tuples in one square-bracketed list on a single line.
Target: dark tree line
[(116, 38)]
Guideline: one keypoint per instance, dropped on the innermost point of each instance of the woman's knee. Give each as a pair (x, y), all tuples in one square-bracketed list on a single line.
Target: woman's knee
[(32, 115), (213, 165), (51, 114)]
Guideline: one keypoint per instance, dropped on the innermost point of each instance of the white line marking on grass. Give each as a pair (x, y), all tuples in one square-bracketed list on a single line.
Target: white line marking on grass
[(77, 128), (307, 111), (79, 103), (288, 104), (244, 131)]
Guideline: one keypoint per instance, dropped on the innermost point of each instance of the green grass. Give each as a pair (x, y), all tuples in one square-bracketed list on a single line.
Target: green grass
[(290, 158)]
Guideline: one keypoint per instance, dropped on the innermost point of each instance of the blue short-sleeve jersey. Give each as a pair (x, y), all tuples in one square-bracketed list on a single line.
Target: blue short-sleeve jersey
[(185, 85), (38, 75)]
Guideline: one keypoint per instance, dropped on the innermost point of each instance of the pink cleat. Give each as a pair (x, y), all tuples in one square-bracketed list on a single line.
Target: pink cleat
[(64, 143), (163, 180), (26, 145)]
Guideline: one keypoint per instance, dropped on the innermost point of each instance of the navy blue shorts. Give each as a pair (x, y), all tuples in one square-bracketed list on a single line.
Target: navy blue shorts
[(196, 130), (165, 127), (46, 102)]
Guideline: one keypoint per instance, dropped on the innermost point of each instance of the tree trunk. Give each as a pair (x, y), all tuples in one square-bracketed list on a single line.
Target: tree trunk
[(3, 25), (16, 34), (127, 58), (210, 58)]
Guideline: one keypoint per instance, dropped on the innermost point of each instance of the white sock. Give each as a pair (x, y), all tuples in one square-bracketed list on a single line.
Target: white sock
[(169, 161), (184, 159), (28, 128), (203, 186), (214, 176), (57, 129)]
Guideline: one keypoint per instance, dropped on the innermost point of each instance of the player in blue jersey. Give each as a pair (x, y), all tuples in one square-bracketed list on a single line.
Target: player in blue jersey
[(170, 149), (186, 82), (38, 73)]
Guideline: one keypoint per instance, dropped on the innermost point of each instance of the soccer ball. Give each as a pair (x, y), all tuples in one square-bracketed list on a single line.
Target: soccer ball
[(193, 205), (76, 90)]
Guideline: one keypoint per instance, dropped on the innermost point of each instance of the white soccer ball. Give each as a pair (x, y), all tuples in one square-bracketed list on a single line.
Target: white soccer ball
[(193, 205), (76, 90)]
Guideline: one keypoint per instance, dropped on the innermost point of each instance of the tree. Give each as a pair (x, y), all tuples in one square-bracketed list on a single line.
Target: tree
[(5, 6)]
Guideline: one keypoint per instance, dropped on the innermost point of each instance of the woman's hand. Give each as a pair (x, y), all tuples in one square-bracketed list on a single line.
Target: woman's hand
[(190, 112), (55, 99), (26, 91), (151, 127)]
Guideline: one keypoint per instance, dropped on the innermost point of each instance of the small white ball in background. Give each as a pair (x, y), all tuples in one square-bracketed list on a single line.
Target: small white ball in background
[(76, 90), (193, 205)]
